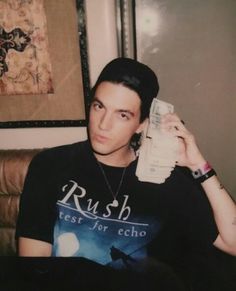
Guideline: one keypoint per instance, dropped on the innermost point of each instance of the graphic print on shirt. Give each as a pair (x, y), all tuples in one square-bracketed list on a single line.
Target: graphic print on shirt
[(109, 235)]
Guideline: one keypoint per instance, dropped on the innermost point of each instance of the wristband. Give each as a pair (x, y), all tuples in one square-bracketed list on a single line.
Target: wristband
[(201, 175), (205, 176), (200, 172)]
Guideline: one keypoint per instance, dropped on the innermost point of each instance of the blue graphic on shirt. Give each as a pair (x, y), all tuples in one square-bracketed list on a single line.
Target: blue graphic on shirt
[(85, 231)]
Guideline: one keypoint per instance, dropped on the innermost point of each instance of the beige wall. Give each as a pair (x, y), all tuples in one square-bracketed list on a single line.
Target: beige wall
[(101, 28), (192, 47)]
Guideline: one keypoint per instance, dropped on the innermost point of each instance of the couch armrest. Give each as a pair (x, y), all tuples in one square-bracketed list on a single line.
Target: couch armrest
[(13, 169)]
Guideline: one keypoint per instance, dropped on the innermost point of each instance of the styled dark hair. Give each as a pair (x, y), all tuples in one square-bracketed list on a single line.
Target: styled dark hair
[(133, 75)]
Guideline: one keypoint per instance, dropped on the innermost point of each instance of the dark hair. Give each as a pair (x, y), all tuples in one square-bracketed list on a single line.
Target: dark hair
[(133, 75)]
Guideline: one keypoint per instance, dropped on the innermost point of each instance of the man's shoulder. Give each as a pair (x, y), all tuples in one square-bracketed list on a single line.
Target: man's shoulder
[(67, 148), (63, 153)]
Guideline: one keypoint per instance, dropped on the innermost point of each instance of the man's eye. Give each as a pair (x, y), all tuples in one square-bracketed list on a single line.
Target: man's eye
[(97, 106), (124, 116)]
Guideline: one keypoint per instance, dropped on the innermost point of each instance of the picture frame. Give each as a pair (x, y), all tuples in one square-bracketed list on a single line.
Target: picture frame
[(67, 106), (126, 28)]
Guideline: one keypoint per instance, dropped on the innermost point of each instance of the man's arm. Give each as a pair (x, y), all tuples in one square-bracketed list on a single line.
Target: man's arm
[(223, 206), (224, 210), (34, 231), (28, 247)]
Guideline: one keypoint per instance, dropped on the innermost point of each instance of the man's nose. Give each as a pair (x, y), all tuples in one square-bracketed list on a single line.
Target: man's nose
[(105, 121)]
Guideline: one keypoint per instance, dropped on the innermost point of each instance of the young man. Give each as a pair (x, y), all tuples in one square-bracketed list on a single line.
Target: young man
[(85, 200)]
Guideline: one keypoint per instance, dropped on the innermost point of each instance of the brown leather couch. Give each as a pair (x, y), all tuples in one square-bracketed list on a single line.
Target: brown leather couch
[(13, 169)]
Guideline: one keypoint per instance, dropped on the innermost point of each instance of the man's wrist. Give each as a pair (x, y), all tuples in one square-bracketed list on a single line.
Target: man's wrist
[(204, 172), (200, 170), (202, 164)]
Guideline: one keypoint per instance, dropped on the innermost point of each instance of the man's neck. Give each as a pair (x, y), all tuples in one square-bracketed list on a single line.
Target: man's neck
[(117, 159)]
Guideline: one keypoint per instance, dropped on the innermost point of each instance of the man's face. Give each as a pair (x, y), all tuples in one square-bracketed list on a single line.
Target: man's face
[(114, 118)]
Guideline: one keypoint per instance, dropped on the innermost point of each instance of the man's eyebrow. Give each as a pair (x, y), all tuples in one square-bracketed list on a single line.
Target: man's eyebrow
[(95, 99)]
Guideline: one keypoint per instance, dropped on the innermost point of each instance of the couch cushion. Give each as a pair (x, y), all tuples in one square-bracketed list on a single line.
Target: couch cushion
[(9, 206), (13, 169), (7, 241)]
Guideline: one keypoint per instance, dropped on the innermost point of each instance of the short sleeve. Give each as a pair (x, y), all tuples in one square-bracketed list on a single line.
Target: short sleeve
[(37, 210), (200, 223)]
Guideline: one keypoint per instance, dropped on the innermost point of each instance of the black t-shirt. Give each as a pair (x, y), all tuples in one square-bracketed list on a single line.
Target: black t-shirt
[(66, 202)]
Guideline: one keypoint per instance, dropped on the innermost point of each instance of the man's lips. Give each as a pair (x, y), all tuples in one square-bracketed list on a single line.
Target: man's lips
[(100, 138)]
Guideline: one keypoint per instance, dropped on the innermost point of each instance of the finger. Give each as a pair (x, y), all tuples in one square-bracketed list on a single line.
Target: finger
[(176, 124), (187, 136), (179, 130), (170, 117)]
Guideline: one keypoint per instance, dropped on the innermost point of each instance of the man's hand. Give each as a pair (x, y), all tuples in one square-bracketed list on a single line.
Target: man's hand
[(189, 154)]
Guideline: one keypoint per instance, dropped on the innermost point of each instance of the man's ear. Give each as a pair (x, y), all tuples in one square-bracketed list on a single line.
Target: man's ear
[(142, 126)]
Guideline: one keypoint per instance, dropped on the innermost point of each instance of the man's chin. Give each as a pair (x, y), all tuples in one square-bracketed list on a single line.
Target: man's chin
[(102, 150), (101, 153)]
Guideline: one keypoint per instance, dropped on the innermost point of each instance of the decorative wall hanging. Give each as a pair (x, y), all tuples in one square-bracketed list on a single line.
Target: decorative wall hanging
[(25, 66), (37, 90)]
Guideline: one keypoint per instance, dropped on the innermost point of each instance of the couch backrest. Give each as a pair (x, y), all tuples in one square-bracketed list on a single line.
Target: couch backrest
[(13, 168)]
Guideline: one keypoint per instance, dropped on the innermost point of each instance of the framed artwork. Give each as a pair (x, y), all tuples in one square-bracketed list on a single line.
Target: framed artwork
[(44, 75)]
